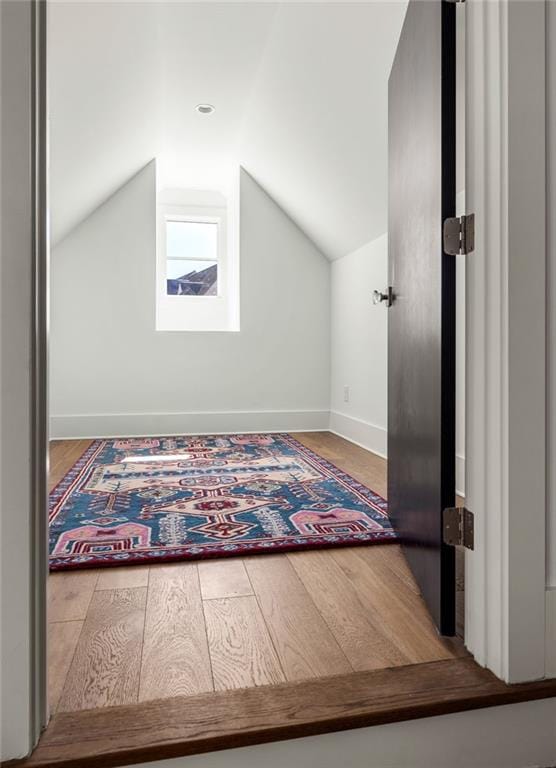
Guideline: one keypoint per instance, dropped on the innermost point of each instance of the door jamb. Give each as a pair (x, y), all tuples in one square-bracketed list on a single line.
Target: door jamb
[(24, 396), (505, 331), (39, 384)]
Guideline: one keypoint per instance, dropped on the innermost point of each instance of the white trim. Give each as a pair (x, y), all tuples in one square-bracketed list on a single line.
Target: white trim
[(360, 432), (171, 214), (357, 431), (193, 423), (551, 632), (24, 243), (505, 357)]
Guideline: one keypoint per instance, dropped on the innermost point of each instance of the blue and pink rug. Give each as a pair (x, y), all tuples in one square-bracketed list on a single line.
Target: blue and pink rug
[(148, 500)]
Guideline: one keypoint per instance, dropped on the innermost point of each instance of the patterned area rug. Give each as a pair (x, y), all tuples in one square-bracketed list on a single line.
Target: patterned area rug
[(148, 500)]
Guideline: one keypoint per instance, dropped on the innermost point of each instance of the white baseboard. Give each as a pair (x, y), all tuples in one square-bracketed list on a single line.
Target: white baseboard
[(375, 439), (145, 424), (357, 431), (360, 432), (550, 666)]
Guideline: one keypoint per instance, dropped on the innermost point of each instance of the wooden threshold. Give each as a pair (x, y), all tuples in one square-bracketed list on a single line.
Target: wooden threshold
[(183, 726)]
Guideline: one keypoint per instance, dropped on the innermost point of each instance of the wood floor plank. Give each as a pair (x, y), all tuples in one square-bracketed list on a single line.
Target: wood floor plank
[(69, 594), (402, 614), (123, 577), (391, 558), (357, 629), (62, 642), (175, 651), (106, 665), (426, 638), (184, 726), (305, 645), (224, 577), (62, 456), (241, 651), (364, 466)]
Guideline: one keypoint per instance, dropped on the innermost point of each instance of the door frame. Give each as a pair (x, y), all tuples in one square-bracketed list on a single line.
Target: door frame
[(23, 355), (506, 336), (505, 574)]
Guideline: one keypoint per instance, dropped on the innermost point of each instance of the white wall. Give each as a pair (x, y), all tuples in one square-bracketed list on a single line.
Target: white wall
[(359, 329), (359, 339), (112, 373), (359, 346)]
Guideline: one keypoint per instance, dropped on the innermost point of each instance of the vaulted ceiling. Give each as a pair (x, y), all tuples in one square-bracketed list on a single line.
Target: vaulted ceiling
[(300, 91)]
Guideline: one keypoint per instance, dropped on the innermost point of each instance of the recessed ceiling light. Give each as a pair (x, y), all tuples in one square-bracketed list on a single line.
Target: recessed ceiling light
[(205, 109)]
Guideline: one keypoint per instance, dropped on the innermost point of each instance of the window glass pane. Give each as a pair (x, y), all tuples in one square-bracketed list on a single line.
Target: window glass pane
[(191, 240), (191, 278)]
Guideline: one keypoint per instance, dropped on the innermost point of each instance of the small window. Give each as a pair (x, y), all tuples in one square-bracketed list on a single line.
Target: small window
[(191, 258), (197, 261)]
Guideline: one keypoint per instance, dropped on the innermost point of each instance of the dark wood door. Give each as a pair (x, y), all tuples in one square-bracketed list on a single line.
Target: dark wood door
[(421, 321)]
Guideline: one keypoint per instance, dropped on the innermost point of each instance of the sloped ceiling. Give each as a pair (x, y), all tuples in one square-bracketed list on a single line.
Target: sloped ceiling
[(103, 73), (316, 131), (300, 92)]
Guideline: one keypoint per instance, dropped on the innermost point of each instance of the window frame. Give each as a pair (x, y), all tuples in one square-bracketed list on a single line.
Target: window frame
[(178, 312), (190, 218)]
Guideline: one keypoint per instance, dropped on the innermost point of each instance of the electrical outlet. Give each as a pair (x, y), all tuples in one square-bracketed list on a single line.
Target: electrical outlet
[(346, 393)]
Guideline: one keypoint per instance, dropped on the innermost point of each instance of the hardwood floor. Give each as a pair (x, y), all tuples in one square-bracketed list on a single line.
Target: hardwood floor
[(106, 665), (241, 651), (175, 648), (120, 636)]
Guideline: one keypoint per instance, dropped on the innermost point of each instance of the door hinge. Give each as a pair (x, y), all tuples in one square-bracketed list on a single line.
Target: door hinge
[(458, 527), (459, 234)]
